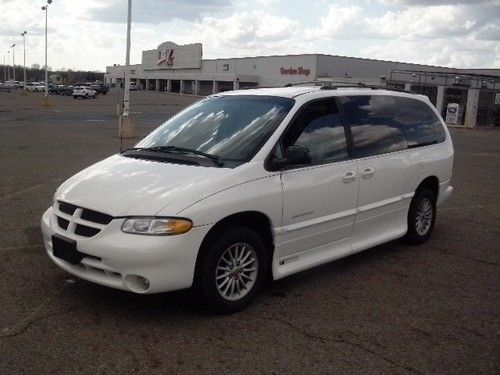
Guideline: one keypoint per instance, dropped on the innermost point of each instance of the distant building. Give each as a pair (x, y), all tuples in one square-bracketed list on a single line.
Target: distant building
[(182, 69), (56, 79)]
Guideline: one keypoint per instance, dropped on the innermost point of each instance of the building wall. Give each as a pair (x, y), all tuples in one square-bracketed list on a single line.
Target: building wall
[(268, 69), (345, 67)]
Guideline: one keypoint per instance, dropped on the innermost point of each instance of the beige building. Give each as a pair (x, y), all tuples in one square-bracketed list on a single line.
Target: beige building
[(181, 68)]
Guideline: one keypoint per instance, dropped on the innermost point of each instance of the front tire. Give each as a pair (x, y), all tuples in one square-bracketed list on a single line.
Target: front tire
[(231, 270), (421, 216)]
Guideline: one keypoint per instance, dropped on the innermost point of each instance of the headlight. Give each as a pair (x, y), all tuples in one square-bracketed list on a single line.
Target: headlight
[(156, 226)]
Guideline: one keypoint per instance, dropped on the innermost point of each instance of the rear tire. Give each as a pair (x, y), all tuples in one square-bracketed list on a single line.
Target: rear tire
[(421, 216), (231, 270)]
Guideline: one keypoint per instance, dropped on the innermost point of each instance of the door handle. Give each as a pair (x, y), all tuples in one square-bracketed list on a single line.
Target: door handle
[(368, 172), (349, 177)]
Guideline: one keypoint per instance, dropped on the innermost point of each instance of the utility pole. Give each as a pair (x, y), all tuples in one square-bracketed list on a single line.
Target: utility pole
[(24, 62), (46, 96), (125, 126), (4, 70), (126, 96), (13, 61)]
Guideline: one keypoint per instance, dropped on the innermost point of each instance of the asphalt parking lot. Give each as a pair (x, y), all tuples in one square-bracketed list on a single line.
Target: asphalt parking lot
[(391, 309)]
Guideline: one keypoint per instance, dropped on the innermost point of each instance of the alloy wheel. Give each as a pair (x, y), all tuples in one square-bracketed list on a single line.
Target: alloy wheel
[(236, 271)]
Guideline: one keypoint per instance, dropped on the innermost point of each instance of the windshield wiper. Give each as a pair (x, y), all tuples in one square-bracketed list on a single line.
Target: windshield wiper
[(182, 150)]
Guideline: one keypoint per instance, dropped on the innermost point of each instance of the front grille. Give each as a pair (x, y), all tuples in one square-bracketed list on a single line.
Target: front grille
[(96, 217), (63, 223), (80, 221), (67, 208), (85, 231)]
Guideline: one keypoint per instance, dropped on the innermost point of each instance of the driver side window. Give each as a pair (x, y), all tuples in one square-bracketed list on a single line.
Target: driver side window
[(318, 127)]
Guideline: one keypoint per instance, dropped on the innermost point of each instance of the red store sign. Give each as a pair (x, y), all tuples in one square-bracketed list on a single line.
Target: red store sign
[(292, 71)]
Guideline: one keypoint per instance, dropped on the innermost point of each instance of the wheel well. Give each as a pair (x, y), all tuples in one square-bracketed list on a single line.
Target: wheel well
[(431, 183), (253, 219)]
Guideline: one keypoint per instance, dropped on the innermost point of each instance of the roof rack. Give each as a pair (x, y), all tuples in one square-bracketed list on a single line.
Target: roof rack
[(361, 85), (336, 84)]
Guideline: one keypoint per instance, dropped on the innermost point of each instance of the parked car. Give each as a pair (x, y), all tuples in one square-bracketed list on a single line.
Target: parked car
[(100, 89), (34, 87), (5, 88), (84, 92), (61, 90), (249, 183), (133, 87)]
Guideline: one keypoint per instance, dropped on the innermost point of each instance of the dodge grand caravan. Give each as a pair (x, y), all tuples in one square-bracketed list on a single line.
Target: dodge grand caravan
[(252, 183)]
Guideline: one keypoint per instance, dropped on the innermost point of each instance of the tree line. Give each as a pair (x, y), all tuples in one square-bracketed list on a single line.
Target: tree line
[(36, 73)]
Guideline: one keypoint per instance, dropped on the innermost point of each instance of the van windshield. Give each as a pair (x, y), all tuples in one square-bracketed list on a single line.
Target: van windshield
[(231, 128)]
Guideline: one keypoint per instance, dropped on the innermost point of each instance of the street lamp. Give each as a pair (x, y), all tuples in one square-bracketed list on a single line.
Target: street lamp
[(126, 94), (8, 66), (46, 8), (125, 126), (4, 70), (13, 61), (24, 63)]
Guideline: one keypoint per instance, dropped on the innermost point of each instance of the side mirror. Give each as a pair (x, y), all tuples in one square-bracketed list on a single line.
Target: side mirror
[(294, 155)]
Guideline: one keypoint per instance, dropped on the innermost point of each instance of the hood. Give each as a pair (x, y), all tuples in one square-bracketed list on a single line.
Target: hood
[(122, 186)]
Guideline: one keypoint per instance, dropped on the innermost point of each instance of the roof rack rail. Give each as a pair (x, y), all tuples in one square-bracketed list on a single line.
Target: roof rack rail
[(362, 85), (335, 84)]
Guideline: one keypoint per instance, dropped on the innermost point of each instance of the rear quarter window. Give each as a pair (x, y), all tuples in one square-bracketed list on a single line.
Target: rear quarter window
[(423, 127), (383, 123)]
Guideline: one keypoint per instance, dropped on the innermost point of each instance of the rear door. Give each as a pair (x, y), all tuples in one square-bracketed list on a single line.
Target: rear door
[(319, 200), (381, 150)]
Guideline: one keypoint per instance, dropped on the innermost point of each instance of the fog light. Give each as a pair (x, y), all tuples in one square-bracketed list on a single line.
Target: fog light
[(137, 283)]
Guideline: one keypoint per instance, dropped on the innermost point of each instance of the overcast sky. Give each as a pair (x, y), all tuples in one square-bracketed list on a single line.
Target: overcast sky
[(90, 34)]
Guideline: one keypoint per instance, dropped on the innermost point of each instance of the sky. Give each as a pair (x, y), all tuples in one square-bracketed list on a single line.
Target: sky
[(91, 34)]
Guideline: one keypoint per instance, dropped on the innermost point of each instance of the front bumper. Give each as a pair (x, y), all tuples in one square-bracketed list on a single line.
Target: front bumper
[(116, 259)]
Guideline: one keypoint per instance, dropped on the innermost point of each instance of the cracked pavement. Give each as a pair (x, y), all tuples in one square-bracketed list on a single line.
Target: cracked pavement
[(391, 309)]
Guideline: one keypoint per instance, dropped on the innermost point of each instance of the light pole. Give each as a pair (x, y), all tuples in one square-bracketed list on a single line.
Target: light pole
[(125, 126), (13, 61), (24, 62), (8, 66), (46, 8), (126, 94), (4, 70)]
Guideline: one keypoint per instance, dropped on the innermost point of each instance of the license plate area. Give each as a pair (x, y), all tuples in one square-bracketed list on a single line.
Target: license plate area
[(65, 249)]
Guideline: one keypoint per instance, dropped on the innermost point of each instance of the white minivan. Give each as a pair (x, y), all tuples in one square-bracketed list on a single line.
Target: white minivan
[(251, 183)]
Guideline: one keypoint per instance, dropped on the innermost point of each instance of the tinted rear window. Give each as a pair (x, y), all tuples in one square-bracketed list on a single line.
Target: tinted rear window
[(382, 124), (422, 126)]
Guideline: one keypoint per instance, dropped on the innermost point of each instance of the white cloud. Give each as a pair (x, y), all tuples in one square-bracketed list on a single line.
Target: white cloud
[(338, 20), (88, 35)]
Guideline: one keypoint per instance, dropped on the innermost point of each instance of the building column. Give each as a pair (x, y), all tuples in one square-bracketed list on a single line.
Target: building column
[(157, 84), (471, 110), (408, 86), (182, 88), (215, 87), (236, 84), (169, 85), (196, 87), (146, 85), (440, 99)]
